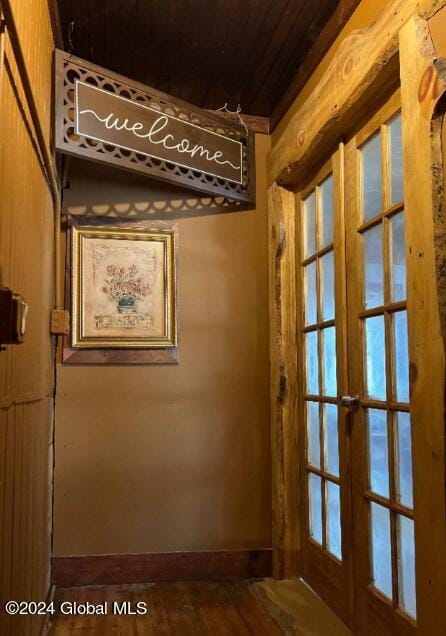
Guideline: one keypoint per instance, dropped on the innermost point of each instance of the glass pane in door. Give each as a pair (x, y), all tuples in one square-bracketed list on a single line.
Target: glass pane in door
[(398, 257), (378, 452), (327, 286), (400, 357), (371, 177), (375, 347), (310, 294), (315, 499), (326, 212), (331, 439), (334, 519), (396, 160), (381, 549), (403, 459), (313, 435), (312, 357), (309, 224), (373, 267), (406, 545), (329, 381)]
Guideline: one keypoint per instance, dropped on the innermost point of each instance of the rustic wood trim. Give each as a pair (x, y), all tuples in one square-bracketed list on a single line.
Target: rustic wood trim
[(423, 88), (327, 36), (117, 569), (282, 285), (255, 123), (344, 92)]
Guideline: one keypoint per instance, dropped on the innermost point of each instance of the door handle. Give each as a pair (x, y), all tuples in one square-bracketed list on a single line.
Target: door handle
[(350, 402)]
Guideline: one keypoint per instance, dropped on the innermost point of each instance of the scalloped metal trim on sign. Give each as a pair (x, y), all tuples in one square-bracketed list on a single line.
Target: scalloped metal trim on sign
[(104, 117)]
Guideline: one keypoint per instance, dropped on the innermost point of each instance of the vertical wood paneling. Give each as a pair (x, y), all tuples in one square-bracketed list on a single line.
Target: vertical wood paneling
[(26, 376)]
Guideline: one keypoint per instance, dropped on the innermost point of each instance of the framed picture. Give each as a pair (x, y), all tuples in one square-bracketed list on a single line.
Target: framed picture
[(123, 288)]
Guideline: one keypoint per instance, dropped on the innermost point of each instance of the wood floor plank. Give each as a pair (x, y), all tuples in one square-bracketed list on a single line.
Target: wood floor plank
[(254, 615), (175, 609), (158, 611), (143, 622), (224, 617), (234, 622)]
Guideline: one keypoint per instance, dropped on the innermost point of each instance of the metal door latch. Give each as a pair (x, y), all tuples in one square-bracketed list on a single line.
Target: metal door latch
[(350, 402)]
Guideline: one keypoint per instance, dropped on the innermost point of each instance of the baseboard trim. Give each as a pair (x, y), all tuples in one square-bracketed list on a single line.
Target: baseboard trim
[(116, 569)]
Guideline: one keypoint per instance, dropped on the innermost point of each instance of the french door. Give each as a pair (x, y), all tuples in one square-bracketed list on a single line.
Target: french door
[(357, 539), (324, 459)]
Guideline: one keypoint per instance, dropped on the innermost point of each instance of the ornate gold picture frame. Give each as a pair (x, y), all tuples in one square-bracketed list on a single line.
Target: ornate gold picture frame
[(123, 288)]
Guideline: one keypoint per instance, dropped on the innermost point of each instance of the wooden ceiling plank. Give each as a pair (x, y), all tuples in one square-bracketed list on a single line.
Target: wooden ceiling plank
[(224, 71), (313, 58), (179, 24), (271, 53), (216, 43), (235, 51), (112, 29), (127, 34), (200, 82), (194, 25), (156, 48), (76, 12), (242, 54), (143, 31), (307, 36), (96, 25), (302, 34), (167, 69)]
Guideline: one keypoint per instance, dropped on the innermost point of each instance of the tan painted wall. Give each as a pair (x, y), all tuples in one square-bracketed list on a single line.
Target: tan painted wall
[(164, 458), (26, 377)]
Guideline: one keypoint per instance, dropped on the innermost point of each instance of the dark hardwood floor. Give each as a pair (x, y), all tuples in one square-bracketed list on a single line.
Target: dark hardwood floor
[(182, 609)]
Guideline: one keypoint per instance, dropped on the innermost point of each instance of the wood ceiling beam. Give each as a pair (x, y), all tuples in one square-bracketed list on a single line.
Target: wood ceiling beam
[(343, 91), (253, 122), (314, 57)]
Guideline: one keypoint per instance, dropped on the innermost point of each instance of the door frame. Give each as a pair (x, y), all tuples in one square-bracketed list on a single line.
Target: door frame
[(400, 34)]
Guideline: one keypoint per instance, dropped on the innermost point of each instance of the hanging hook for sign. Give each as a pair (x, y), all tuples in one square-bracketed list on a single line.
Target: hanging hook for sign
[(234, 112), (70, 37)]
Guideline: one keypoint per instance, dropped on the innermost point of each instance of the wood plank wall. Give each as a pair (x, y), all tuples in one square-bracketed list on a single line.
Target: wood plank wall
[(26, 371)]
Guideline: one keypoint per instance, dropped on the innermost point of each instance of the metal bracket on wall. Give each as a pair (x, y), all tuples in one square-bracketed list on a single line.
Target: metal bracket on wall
[(60, 322)]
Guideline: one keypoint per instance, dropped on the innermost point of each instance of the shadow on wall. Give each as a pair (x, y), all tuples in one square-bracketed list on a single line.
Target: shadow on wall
[(138, 197)]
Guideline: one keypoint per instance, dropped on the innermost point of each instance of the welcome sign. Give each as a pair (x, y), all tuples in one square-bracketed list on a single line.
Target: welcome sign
[(108, 118)]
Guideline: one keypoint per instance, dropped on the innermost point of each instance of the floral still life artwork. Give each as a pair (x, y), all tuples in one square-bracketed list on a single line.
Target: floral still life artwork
[(123, 288)]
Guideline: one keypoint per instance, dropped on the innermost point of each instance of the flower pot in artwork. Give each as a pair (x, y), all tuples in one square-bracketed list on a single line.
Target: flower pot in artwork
[(126, 304)]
